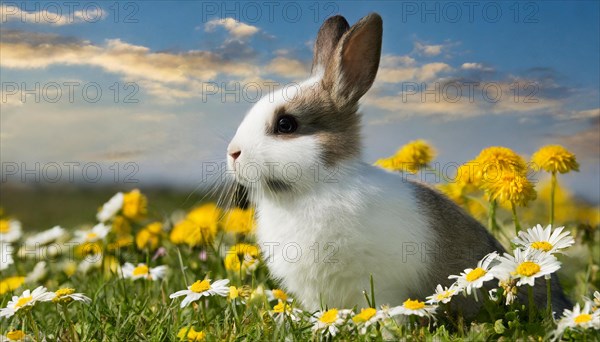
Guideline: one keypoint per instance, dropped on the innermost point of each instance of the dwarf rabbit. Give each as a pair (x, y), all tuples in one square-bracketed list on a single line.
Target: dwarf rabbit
[(327, 221)]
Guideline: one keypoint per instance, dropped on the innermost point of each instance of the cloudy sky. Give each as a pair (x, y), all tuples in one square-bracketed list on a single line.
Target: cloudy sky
[(157, 88)]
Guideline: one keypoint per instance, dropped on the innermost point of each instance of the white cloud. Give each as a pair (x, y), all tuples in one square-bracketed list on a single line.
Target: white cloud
[(443, 99), (287, 67), (586, 114), (397, 69), (236, 28), (475, 66), (178, 75), (429, 50)]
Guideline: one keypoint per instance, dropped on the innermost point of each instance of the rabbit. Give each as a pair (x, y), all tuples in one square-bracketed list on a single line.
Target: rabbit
[(327, 221)]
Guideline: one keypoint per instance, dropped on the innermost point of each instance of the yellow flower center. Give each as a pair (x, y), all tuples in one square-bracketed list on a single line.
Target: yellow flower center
[(413, 304), (364, 315), (4, 226), (583, 318), (189, 334), (15, 335), (279, 308), (233, 292), (329, 316), (140, 270), (444, 295), (528, 268), (542, 245), (23, 301), (200, 286), (64, 292), (476, 274), (279, 294), (91, 236)]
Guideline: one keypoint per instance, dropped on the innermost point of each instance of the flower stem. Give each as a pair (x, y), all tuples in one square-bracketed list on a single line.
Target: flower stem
[(531, 303), (515, 218), (552, 193), (492, 225), (33, 325), (549, 297), (70, 323)]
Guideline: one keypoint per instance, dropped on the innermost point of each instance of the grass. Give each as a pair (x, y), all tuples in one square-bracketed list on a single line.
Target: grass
[(141, 310)]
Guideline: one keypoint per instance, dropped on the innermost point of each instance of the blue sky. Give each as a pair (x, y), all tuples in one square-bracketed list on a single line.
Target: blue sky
[(171, 51)]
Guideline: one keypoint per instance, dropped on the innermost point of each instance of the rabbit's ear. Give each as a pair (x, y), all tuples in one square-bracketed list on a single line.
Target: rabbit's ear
[(329, 34), (353, 66)]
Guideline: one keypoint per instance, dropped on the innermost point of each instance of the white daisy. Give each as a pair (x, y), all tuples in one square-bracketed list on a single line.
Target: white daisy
[(597, 298), (202, 288), (27, 299), (578, 319), (10, 230), (328, 322), (6, 258), (413, 307), (284, 311), (46, 237), (526, 266), (98, 232), (110, 208), (443, 294), (39, 272), (473, 278), (67, 295), (544, 240), (142, 271)]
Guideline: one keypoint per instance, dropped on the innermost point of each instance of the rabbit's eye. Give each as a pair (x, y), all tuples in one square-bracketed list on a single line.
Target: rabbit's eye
[(286, 124)]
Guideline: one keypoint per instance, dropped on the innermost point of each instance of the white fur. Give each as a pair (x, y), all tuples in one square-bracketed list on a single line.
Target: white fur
[(371, 220)]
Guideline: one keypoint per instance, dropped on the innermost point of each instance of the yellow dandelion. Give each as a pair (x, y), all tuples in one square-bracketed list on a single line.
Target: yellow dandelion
[(555, 158), (411, 157), (242, 256), (88, 248), (467, 175), (495, 162), (190, 335), (15, 335), (199, 227), (10, 284), (239, 221), (149, 236), (121, 225), (120, 242), (512, 188), (135, 205)]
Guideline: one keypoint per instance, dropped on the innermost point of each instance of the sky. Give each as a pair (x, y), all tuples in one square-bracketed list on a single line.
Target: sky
[(114, 92)]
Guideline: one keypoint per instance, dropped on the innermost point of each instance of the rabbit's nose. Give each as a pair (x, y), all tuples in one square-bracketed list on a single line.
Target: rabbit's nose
[(235, 154)]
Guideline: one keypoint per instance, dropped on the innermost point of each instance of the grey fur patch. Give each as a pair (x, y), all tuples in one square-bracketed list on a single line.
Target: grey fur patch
[(338, 130), (277, 185)]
